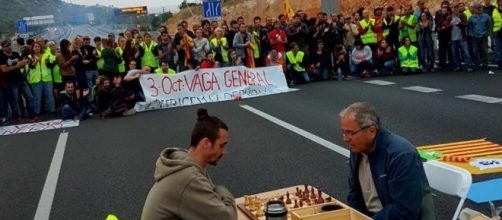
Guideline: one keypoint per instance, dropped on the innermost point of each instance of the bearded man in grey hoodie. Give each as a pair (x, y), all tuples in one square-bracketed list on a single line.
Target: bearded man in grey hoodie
[(182, 188)]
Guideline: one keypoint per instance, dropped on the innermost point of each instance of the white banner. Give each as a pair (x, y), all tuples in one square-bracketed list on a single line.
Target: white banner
[(209, 85), (39, 126)]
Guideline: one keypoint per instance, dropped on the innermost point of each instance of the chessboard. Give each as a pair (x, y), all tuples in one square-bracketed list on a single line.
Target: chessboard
[(303, 196)]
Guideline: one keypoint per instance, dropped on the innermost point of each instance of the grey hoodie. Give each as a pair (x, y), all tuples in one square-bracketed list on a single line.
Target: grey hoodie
[(183, 190)]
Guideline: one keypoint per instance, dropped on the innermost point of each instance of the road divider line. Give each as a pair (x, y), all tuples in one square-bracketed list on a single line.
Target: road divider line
[(45, 203), (380, 82), (481, 98), (422, 89), (297, 130)]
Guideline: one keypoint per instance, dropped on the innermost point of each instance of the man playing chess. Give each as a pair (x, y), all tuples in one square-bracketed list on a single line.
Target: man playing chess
[(387, 178), (182, 188)]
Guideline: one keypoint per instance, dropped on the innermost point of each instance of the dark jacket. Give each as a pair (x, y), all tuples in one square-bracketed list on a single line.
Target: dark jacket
[(398, 175)]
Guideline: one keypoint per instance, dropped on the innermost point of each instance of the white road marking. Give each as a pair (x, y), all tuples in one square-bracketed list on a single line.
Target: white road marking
[(380, 82), (297, 130), (293, 89), (47, 197), (422, 89), (481, 98)]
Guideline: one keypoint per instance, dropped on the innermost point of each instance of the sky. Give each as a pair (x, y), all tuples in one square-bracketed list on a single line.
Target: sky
[(154, 6)]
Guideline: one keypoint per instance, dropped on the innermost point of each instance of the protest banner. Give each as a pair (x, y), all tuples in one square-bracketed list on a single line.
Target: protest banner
[(39, 126), (209, 85)]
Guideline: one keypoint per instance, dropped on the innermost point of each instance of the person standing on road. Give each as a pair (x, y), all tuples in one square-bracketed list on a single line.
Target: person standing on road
[(387, 179), (478, 28), (90, 59), (497, 32), (186, 169)]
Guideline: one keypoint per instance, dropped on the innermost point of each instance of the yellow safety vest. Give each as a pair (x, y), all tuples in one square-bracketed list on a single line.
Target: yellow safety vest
[(467, 13), (41, 73), (369, 37), (149, 59), (122, 68), (255, 46), (408, 31), (296, 60), (169, 71), (497, 20), (386, 31), (100, 63), (224, 43), (56, 71), (408, 58)]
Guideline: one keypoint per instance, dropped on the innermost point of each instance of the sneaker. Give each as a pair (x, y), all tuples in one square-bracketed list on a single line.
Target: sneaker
[(4, 121), (491, 72), (129, 112)]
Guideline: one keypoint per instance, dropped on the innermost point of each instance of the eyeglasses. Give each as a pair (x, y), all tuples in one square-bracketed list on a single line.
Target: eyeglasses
[(352, 133)]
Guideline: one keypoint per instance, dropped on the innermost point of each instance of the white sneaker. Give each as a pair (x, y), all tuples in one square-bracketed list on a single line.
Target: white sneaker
[(491, 72)]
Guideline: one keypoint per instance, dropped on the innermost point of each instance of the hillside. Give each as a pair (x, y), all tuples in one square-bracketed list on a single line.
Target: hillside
[(247, 9)]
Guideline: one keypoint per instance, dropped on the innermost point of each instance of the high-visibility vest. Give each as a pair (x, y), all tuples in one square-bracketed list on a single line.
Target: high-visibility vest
[(467, 13), (296, 60), (56, 71), (408, 57), (122, 68), (161, 71), (100, 63), (255, 46), (386, 31), (497, 20), (40, 73), (369, 37), (149, 59), (224, 43), (408, 31)]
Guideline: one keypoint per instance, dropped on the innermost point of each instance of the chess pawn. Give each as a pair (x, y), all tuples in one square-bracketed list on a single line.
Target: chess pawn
[(312, 191), (260, 212), (288, 200), (319, 193), (301, 204), (298, 191), (246, 201), (312, 196), (296, 204)]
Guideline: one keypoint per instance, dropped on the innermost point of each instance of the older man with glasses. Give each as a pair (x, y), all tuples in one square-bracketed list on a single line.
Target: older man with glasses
[(387, 179)]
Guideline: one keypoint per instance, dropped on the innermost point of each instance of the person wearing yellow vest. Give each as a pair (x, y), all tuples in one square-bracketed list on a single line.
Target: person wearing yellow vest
[(219, 46), (164, 69), (99, 48), (40, 78), (57, 79), (497, 32), (391, 28), (408, 57), (295, 64), (368, 36), (408, 24), (149, 51), (120, 51)]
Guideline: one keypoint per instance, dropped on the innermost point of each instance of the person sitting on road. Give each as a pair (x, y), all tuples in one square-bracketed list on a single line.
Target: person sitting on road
[(164, 69), (341, 62), (209, 62), (73, 105), (384, 58), (408, 57), (295, 64), (321, 60), (275, 58), (186, 169), (387, 179), (361, 59)]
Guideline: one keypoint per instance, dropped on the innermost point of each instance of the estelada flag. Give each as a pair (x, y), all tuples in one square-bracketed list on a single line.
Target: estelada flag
[(288, 10)]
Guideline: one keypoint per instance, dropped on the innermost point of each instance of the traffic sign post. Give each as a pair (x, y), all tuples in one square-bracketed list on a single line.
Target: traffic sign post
[(22, 26), (212, 9)]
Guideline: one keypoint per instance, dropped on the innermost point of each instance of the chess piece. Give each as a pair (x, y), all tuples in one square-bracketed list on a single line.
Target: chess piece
[(288, 200), (296, 204), (312, 195), (298, 191), (319, 193), (306, 188), (260, 212), (246, 201), (301, 204)]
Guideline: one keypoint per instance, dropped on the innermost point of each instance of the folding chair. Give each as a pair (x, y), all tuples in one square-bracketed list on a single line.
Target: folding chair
[(450, 180)]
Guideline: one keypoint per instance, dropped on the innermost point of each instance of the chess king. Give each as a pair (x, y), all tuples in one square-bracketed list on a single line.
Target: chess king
[(182, 187), (387, 179)]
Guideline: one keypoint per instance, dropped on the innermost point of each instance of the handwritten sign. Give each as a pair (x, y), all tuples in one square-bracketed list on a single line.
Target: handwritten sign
[(40, 126), (209, 85)]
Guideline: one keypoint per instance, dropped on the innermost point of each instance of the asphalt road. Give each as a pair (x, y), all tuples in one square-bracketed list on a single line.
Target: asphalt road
[(108, 164)]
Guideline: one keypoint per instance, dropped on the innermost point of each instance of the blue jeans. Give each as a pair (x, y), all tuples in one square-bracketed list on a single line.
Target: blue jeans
[(322, 72), (3, 101), (389, 65), (460, 47), (480, 50), (67, 112), (298, 76), (14, 89), (498, 48), (43, 89), (427, 53)]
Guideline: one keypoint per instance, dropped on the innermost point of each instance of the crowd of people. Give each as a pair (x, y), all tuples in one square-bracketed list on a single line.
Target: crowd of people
[(79, 78)]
